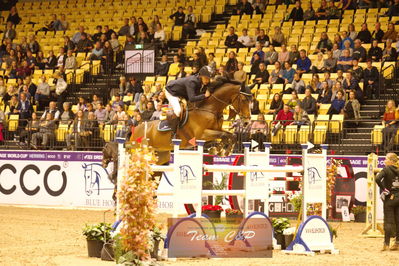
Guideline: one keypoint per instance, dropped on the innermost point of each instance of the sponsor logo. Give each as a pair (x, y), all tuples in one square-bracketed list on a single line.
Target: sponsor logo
[(92, 177), (186, 174)]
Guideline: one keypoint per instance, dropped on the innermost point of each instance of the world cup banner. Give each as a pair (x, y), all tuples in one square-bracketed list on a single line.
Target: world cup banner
[(68, 179)]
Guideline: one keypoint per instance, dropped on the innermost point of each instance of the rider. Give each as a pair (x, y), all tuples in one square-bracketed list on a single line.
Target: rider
[(190, 88)]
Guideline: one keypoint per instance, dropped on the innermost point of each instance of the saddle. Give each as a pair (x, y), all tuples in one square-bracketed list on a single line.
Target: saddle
[(165, 123)]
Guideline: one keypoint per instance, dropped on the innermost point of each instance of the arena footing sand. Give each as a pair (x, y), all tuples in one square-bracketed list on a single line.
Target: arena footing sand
[(35, 236)]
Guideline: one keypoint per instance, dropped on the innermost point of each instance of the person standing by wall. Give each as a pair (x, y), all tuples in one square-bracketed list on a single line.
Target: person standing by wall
[(388, 181)]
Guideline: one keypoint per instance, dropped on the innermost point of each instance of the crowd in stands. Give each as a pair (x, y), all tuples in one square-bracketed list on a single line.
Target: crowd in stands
[(136, 102)]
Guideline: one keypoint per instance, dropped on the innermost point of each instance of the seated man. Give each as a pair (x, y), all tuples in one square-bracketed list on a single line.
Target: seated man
[(309, 103), (231, 39), (46, 132), (283, 119), (345, 61), (261, 76), (303, 63), (188, 88), (245, 40), (42, 93)]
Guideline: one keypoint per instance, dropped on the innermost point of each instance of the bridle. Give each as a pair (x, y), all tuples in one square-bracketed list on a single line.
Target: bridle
[(231, 105)]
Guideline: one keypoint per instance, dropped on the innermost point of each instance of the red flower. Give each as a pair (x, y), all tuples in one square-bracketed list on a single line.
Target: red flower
[(212, 208), (233, 211)]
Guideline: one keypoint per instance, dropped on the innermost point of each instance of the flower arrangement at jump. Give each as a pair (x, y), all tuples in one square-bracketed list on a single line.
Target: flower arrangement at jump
[(137, 203)]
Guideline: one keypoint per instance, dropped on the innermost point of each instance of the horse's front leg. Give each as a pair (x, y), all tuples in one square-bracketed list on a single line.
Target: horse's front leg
[(227, 143)]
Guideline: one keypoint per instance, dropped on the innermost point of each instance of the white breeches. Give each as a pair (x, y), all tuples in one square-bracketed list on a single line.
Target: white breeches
[(174, 102)]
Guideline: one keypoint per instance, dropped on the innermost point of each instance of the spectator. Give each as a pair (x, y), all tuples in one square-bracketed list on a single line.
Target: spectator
[(97, 36), (125, 29), (318, 64), (245, 40), (345, 61), (244, 7), (298, 84), (345, 38), (330, 63), (259, 6), (77, 36), (42, 92), (147, 113), (377, 33), (109, 114), (322, 10), (352, 33), (371, 78), (9, 33), (189, 24), (351, 110), (178, 17), (45, 135), (61, 58), (181, 55), (325, 94), (133, 26), (67, 115), (276, 104), (13, 16), (23, 71), (278, 38), (84, 45), (357, 71), (262, 38), (159, 37), (82, 104), (332, 12), (340, 76), (13, 105), (108, 32), (231, 39), (95, 101), (300, 117), (390, 34), (181, 73), (348, 4), (31, 128), (262, 76), (389, 53), (364, 34), (276, 76), (337, 105), (135, 89), (393, 9), (122, 85), (359, 52), (297, 12), (255, 64), (375, 52), (303, 63), (259, 52), (142, 38), (309, 13), (24, 108), (211, 64), (350, 83), (231, 64), (337, 40), (271, 55), (78, 131), (141, 24), (240, 74), (315, 83), (51, 61), (283, 119), (107, 59), (283, 55), (162, 67), (60, 89), (294, 101), (324, 44), (174, 67), (156, 115), (309, 103), (389, 121), (288, 73), (196, 62), (70, 61), (31, 60), (258, 130), (64, 23), (293, 54)]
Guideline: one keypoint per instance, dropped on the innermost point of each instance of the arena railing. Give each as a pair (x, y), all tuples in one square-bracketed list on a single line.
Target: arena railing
[(387, 89)]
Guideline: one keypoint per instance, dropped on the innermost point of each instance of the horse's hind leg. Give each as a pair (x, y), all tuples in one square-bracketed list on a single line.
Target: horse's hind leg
[(227, 143)]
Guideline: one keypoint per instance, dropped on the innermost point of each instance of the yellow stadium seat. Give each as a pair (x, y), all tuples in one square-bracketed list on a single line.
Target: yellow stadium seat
[(319, 134), (291, 134), (376, 135), (13, 123)]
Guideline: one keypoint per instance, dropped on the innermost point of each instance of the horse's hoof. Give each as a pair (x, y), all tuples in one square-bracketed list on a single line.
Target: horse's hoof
[(212, 151)]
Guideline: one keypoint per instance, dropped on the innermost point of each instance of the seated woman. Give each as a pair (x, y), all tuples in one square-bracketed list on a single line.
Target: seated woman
[(389, 121), (351, 110), (31, 128), (318, 64), (335, 89), (294, 101), (324, 95), (283, 119), (350, 83), (337, 105), (300, 116), (315, 84), (276, 76), (276, 105), (259, 131)]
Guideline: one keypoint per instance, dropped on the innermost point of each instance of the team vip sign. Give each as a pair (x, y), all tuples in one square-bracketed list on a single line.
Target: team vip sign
[(313, 235)]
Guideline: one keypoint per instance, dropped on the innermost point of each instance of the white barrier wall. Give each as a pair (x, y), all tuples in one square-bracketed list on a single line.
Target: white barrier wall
[(68, 179)]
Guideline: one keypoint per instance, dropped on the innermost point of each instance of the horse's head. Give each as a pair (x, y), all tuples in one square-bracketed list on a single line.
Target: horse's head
[(87, 176), (240, 105)]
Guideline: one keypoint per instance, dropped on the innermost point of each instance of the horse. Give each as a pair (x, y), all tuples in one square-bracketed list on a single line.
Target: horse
[(205, 120)]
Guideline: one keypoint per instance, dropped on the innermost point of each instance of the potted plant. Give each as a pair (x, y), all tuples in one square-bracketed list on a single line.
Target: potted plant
[(212, 211), (96, 235), (233, 215), (218, 186), (279, 225), (360, 214), (157, 237)]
